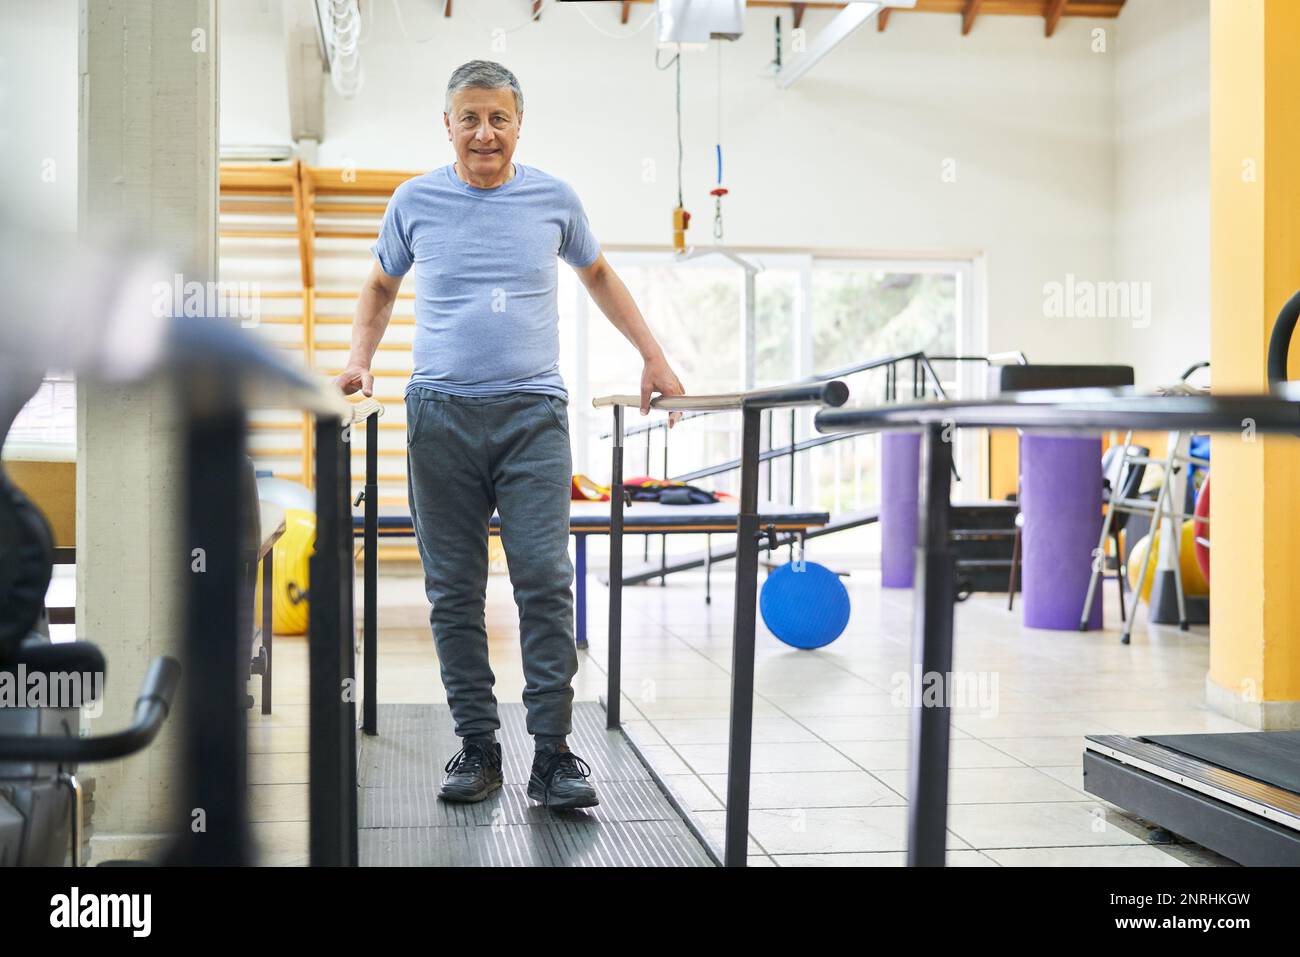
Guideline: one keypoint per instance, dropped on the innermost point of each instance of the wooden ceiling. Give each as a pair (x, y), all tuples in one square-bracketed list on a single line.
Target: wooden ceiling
[(1049, 11)]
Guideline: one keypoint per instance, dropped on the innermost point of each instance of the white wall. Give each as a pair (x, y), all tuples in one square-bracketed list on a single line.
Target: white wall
[(1162, 162), (38, 112), (1067, 160), (254, 88), (851, 157)]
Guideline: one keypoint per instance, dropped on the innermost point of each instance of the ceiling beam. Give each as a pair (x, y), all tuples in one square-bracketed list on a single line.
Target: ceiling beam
[(1105, 9), (798, 9), (446, 9), (968, 15), (1052, 16), (882, 19), (627, 8), (849, 19), (537, 9)]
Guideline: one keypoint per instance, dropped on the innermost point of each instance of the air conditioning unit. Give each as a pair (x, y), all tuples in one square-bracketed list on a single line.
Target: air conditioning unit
[(696, 22)]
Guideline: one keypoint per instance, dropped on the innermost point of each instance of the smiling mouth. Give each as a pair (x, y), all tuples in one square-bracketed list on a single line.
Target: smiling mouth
[(485, 152)]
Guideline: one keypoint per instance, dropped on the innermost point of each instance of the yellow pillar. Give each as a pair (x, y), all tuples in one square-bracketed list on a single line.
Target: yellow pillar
[(1255, 267)]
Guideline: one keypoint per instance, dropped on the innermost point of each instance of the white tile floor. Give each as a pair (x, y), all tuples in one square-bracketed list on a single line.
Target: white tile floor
[(830, 729)]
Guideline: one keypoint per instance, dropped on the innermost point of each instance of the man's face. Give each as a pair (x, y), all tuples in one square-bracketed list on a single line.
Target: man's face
[(484, 128)]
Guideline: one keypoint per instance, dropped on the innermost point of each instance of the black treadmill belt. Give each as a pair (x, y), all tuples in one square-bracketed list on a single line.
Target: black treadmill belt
[(1269, 756)]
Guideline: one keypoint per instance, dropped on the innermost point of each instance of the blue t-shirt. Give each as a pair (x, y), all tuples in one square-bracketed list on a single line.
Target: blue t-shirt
[(486, 321)]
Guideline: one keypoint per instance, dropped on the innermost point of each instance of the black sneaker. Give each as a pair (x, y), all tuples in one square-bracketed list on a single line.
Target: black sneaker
[(473, 773), (559, 780)]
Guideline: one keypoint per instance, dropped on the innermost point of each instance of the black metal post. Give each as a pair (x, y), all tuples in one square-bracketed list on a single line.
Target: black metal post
[(771, 415), (268, 628), (580, 589), (708, 569), (332, 761), (348, 649), (927, 809), (214, 825), (663, 539), (742, 652), (370, 614), (645, 539), (789, 462), (614, 693), (790, 458)]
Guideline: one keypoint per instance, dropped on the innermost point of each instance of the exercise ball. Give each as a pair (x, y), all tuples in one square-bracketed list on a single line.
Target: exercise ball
[(286, 494), (805, 605), (1194, 582), (291, 559), (1202, 511)]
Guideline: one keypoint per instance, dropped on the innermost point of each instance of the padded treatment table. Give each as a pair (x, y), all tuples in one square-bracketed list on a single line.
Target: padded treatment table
[(639, 518)]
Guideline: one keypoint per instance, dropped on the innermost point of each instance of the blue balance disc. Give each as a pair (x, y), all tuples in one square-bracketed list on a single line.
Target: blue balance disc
[(806, 609)]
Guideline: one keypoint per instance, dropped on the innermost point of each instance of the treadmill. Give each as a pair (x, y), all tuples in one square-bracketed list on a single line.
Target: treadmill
[(1238, 793)]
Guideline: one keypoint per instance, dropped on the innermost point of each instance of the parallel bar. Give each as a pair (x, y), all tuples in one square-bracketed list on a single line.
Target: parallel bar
[(814, 393), (580, 588), (215, 728), (614, 691), (819, 377), (1084, 409), (332, 793), (927, 806), (914, 357), (268, 629), (370, 620), (347, 650), (742, 652)]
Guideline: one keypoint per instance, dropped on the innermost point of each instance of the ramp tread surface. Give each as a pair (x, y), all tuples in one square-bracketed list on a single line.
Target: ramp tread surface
[(402, 822)]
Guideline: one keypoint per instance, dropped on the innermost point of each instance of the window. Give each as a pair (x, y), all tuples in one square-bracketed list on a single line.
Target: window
[(50, 415), (863, 309)]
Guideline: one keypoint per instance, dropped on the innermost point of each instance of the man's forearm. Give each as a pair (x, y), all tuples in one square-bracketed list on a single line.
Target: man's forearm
[(374, 309), (609, 293)]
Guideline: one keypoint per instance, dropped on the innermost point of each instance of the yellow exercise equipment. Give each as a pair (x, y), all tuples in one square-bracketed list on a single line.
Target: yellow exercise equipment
[(1194, 582), (291, 558)]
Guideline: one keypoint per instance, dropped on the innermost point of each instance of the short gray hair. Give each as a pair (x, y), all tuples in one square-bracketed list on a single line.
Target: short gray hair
[(483, 75)]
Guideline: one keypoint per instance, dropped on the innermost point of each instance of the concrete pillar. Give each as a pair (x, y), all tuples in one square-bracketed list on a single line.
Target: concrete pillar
[(147, 122)]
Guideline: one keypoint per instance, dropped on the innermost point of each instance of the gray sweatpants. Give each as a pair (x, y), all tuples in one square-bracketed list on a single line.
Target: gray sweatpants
[(465, 457)]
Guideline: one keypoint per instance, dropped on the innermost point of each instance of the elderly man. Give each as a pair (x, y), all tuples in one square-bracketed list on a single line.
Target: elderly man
[(486, 413)]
